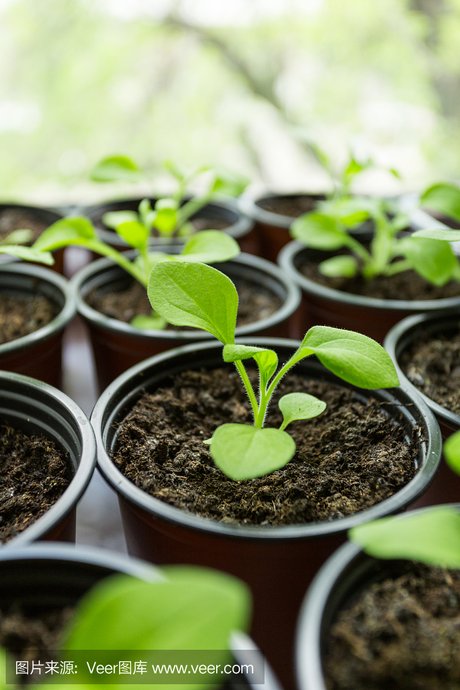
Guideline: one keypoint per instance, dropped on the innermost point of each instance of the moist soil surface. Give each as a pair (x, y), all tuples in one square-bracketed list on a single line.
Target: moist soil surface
[(403, 286), (348, 459), (19, 219), (433, 365), (255, 302), (21, 315), (399, 634), (34, 474), (293, 207)]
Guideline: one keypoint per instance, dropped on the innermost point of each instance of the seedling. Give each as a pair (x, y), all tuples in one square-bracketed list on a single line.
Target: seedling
[(389, 253), (444, 198), (190, 609), (170, 216), (430, 536), (13, 245), (202, 297), (207, 246)]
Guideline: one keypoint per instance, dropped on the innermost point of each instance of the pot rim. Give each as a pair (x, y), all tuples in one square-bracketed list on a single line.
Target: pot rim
[(309, 669), (238, 229), (252, 532), (286, 260), (291, 303), (402, 335), (59, 322), (249, 205), (86, 464)]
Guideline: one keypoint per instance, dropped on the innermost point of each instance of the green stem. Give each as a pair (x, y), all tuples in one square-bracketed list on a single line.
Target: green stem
[(398, 267), (191, 207), (249, 390)]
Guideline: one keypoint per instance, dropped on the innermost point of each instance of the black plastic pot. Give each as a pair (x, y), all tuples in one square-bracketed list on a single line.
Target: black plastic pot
[(45, 217), (216, 215), (271, 222), (276, 562), (346, 573), (327, 306), (57, 575), (38, 354), (36, 407), (118, 345)]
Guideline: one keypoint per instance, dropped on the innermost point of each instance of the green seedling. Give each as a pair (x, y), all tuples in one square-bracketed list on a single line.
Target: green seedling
[(330, 228), (444, 198), (14, 245), (431, 536), (210, 246), (189, 609), (202, 297), (171, 216)]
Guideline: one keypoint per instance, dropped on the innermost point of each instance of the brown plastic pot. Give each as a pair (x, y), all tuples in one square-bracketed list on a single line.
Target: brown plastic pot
[(329, 307), (276, 562), (38, 354), (223, 214), (41, 577), (446, 485), (47, 217), (348, 572), (118, 345), (36, 407)]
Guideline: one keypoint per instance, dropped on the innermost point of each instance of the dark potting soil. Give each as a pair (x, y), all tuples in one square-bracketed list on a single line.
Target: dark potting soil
[(21, 315), (34, 474), (399, 634), (255, 302), (348, 459), (432, 364), (19, 219), (403, 286), (293, 207)]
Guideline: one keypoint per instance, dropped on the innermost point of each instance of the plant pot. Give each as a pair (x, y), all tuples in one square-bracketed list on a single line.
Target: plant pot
[(446, 485), (339, 581), (35, 407), (276, 562), (38, 354), (42, 217), (214, 216), (118, 345), (327, 306), (57, 575), (273, 215)]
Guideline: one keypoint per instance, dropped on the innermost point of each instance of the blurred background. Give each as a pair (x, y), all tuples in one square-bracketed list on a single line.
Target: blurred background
[(242, 84)]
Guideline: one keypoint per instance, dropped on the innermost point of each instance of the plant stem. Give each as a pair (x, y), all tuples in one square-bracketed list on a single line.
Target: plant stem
[(249, 390), (190, 208), (397, 267)]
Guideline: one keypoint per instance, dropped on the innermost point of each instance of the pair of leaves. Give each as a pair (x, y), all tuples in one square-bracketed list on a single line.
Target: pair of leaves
[(135, 228)]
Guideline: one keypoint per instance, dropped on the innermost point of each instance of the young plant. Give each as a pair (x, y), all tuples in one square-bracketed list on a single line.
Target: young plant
[(209, 246), (190, 610), (14, 245), (444, 198), (170, 216), (330, 229), (200, 296)]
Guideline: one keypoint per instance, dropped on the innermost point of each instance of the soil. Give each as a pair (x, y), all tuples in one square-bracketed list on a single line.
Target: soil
[(432, 364), (292, 206), (255, 302), (34, 474), (19, 219), (399, 634), (32, 635), (21, 315), (403, 286), (348, 459)]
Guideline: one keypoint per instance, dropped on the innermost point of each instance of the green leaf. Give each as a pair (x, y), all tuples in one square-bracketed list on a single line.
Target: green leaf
[(27, 254), (145, 322), (431, 536), (114, 169), (112, 219), (228, 183), (243, 452), (452, 452), (350, 211), (267, 360), (353, 357), (209, 246), (298, 406), (339, 267), (19, 236), (133, 233), (438, 234), (66, 232), (432, 259), (194, 294), (166, 216), (319, 231), (443, 198)]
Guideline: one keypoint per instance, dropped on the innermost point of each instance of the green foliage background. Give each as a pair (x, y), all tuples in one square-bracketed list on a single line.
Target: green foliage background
[(83, 78)]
